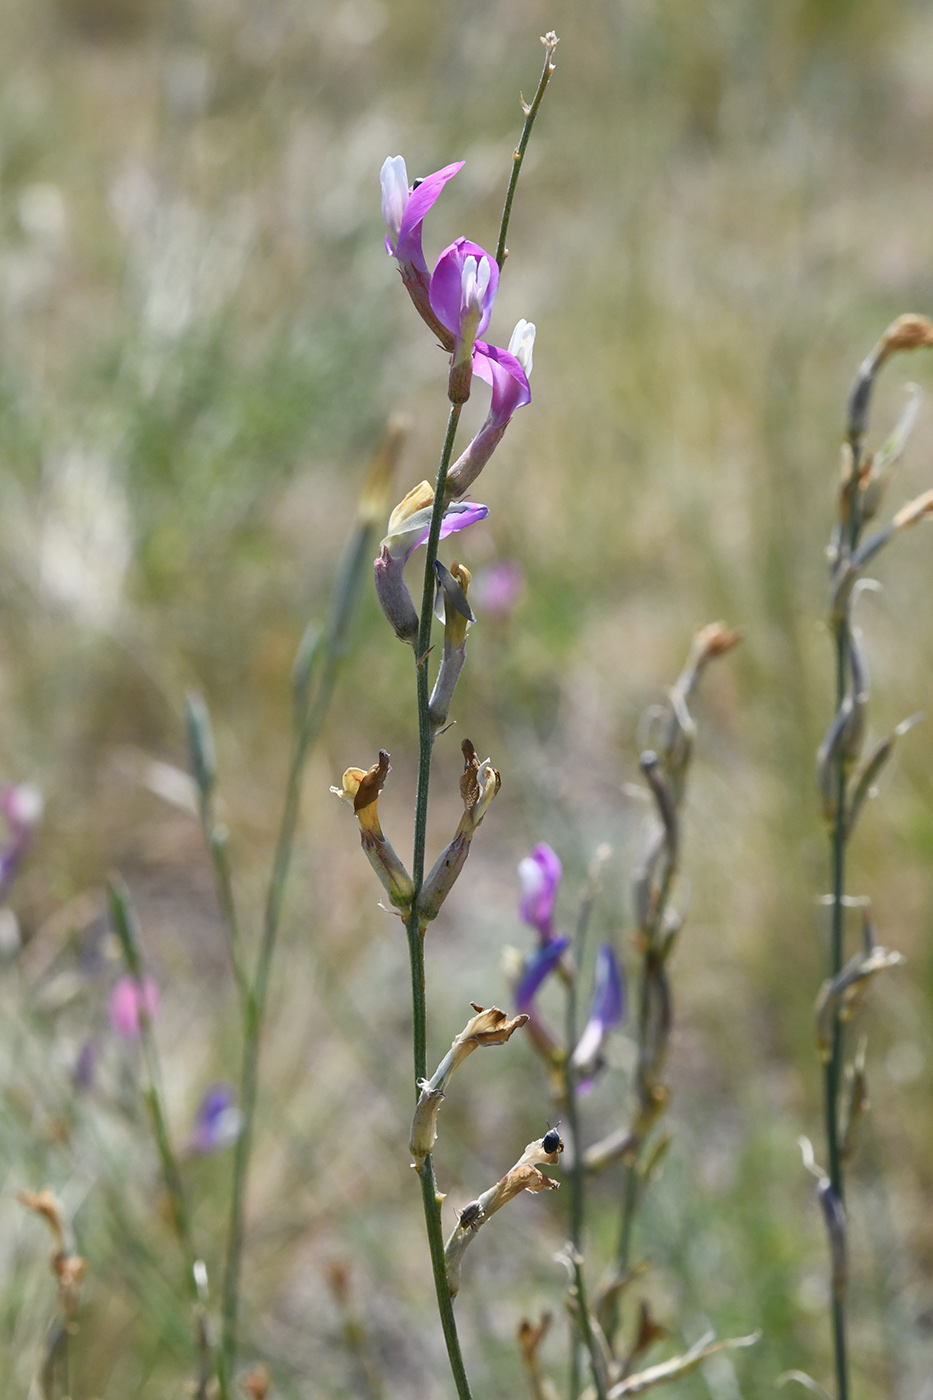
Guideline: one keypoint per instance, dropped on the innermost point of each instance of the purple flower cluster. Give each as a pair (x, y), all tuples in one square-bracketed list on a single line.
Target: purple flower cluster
[(456, 302), (540, 875)]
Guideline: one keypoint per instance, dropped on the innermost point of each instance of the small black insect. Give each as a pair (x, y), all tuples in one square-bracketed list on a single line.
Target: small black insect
[(551, 1142), (416, 183), (471, 1214)]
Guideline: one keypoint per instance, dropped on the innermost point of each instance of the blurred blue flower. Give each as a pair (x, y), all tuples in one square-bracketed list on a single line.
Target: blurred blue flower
[(218, 1122), (606, 1010), (537, 965)]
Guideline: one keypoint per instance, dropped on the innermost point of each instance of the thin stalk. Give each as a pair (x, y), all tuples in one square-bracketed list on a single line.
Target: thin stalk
[(254, 1002), (518, 155), (414, 926), (630, 1170), (833, 1073), (577, 1201), (592, 1346), (216, 845), (126, 928), (171, 1175)]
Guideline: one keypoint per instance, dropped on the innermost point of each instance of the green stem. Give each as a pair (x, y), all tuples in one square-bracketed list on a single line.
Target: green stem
[(216, 843), (314, 710), (596, 1364), (126, 926), (414, 927), (518, 155)]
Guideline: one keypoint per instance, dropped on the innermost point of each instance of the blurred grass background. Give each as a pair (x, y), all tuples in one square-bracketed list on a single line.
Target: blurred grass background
[(723, 206)]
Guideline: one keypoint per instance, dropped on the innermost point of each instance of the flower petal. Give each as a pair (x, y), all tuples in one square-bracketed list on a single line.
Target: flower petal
[(510, 387), (537, 966), (448, 297), (540, 875), (419, 202)]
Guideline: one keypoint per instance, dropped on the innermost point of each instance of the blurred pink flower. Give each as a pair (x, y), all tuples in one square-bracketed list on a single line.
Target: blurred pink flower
[(22, 807), (128, 1000), (497, 589)]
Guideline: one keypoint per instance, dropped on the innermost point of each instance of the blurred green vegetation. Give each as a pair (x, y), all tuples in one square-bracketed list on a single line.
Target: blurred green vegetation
[(723, 206)]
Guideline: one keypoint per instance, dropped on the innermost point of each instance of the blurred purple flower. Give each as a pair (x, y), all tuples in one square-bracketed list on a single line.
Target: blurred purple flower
[(128, 1001), (403, 210), (606, 1011), (22, 807), (218, 1121), (539, 874), (507, 372), (538, 964), (497, 589)]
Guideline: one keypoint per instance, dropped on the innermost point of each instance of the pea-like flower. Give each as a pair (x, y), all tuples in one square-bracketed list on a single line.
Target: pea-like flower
[(497, 590), (606, 1011), (539, 874), (538, 964), (218, 1121), (507, 372), (404, 207), (463, 288), (130, 1001), (409, 527)]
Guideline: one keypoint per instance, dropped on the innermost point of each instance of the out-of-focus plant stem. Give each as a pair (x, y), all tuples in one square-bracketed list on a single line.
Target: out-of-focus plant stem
[(577, 1171), (833, 1073), (124, 923), (313, 695), (414, 927)]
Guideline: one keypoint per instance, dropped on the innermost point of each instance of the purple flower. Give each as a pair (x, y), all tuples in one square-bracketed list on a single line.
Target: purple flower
[(409, 527), (497, 589), (129, 1001), (538, 964), (507, 372), (606, 1011), (22, 807), (540, 877), (403, 210), (218, 1121), (463, 288)]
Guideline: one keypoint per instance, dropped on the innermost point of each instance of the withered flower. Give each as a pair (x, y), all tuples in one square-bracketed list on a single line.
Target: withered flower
[(489, 1026), (361, 789), (478, 786), (524, 1176)]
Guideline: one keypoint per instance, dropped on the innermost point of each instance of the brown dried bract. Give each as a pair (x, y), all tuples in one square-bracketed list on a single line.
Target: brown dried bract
[(371, 784), (490, 1026), (256, 1383), (909, 332)]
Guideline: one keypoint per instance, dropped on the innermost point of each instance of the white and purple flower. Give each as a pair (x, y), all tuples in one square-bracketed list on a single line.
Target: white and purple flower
[(540, 875), (409, 527), (463, 288), (404, 207), (506, 371), (218, 1121)]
